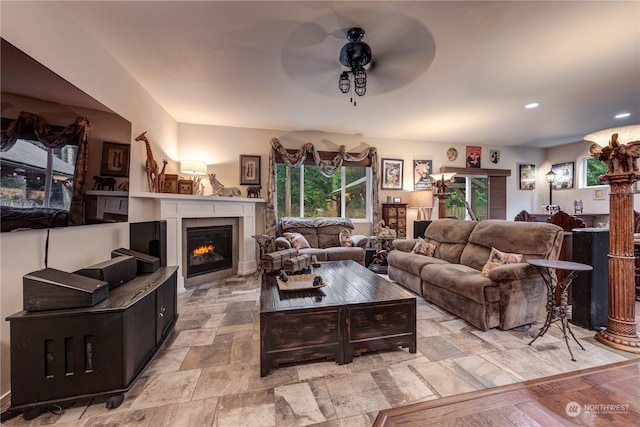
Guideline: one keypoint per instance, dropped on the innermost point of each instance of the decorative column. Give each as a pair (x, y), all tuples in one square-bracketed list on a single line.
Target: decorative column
[(621, 332)]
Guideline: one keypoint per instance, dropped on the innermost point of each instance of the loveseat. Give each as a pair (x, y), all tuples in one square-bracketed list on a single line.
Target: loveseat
[(321, 237), (506, 296)]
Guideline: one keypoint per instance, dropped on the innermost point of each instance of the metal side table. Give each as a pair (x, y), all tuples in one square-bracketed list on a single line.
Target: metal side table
[(546, 269)]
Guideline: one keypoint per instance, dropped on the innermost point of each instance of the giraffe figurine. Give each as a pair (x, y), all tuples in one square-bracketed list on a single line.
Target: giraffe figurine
[(160, 184), (150, 165)]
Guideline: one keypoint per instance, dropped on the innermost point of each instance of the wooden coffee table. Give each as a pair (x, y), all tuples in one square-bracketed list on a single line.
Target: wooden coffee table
[(357, 311)]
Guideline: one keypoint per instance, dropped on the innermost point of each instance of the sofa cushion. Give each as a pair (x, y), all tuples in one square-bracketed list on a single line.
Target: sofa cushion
[(450, 237), (531, 239), (422, 247), (297, 240), (410, 261), (345, 238), (497, 258), (462, 280)]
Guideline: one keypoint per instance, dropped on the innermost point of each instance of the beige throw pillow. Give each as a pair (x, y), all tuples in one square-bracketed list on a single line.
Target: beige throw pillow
[(422, 247), (345, 238), (497, 258), (297, 240)]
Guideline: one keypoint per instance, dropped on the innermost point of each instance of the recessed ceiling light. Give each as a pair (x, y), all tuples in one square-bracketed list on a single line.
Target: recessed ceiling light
[(622, 115), (531, 105)]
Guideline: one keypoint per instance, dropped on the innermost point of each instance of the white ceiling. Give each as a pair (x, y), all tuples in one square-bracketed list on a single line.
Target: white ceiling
[(451, 72)]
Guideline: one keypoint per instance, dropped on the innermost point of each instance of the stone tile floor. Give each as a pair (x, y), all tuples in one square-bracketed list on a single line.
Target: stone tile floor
[(207, 374)]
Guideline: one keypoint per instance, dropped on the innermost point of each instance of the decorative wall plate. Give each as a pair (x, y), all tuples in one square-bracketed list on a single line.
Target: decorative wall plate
[(452, 154)]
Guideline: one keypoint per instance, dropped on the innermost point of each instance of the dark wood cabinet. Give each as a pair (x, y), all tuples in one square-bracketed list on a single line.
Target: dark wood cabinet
[(394, 216), (62, 355)]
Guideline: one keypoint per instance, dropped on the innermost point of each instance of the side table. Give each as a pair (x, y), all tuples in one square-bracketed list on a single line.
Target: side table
[(546, 269), (263, 241)]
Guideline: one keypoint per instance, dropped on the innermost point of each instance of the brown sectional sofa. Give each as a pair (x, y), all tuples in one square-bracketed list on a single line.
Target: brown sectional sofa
[(511, 295), (323, 235)]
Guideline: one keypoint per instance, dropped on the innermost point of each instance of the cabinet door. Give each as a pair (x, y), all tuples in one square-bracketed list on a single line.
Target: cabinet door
[(166, 307)]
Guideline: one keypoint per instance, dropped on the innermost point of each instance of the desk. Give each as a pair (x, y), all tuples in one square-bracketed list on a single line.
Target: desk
[(545, 267)]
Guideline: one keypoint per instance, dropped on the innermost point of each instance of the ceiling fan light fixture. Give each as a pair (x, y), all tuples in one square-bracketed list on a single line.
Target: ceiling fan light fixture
[(344, 83), (354, 55)]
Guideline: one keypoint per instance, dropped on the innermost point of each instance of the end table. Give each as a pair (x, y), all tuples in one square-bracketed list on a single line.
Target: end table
[(545, 267)]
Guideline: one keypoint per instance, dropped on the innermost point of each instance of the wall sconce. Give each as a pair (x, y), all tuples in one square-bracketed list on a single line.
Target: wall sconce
[(195, 168), (423, 201), (619, 148), (440, 183)]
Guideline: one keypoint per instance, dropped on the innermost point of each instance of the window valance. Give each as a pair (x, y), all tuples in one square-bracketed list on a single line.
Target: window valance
[(328, 163)]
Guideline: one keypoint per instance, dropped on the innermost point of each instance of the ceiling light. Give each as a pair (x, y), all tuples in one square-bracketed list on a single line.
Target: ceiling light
[(531, 105), (354, 55), (622, 115)]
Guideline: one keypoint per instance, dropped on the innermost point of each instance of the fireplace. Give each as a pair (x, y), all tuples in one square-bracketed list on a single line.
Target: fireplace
[(209, 249)]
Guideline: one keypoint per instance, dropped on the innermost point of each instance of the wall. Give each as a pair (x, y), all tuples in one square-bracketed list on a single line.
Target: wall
[(62, 45)]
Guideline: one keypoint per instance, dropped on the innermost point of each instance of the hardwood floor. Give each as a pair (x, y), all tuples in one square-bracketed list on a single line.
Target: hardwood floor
[(608, 395)]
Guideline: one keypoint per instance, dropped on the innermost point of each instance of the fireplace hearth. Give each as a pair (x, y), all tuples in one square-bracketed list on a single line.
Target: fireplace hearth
[(209, 249)]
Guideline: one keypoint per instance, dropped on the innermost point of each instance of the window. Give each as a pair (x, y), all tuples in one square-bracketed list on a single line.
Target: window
[(33, 175), (468, 191), (590, 170), (305, 192)]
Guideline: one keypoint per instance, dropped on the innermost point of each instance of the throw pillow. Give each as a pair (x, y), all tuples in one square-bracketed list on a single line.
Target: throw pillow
[(497, 258), (422, 247), (345, 238), (297, 240)]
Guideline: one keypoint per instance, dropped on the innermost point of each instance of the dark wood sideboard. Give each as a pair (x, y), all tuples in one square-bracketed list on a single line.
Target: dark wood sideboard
[(63, 355), (590, 220)]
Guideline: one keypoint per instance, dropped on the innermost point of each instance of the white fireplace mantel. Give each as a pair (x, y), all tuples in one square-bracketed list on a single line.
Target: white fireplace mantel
[(175, 207)]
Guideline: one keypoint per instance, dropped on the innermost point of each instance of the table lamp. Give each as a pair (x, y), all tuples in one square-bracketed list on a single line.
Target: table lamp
[(440, 183), (196, 169), (423, 201)]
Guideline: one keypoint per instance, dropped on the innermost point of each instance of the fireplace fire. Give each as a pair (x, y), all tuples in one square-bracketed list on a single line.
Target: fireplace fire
[(209, 249)]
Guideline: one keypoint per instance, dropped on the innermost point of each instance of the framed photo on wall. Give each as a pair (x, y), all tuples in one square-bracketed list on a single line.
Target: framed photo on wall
[(392, 170), (249, 170), (527, 177), (421, 171), (564, 176), (473, 156), (115, 159)]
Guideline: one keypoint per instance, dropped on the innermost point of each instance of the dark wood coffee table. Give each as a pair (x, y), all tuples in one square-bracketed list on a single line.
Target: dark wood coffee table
[(357, 311)]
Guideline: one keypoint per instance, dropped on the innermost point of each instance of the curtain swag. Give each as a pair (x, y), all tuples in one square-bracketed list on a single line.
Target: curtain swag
[(327, 168), (74, 134)]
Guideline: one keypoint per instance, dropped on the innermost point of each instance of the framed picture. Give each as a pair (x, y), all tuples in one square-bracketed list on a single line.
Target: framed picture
[(185, 186), (421, 171), (170, 184), (527, 177), (392, 170), (473, 156), (564, 176), (599, 194), (115, 159), (249, 170), (495, 156), (397, 200)]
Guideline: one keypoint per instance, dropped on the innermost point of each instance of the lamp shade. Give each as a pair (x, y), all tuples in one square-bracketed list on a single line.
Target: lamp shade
[(625, 134), (193, 167), (421, 199)]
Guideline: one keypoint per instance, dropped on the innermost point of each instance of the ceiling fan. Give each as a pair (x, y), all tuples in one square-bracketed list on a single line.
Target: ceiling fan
[(404, 49)]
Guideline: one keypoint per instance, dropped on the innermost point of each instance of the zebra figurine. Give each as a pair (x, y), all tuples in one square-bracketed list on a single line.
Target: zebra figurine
[(220, 190)]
